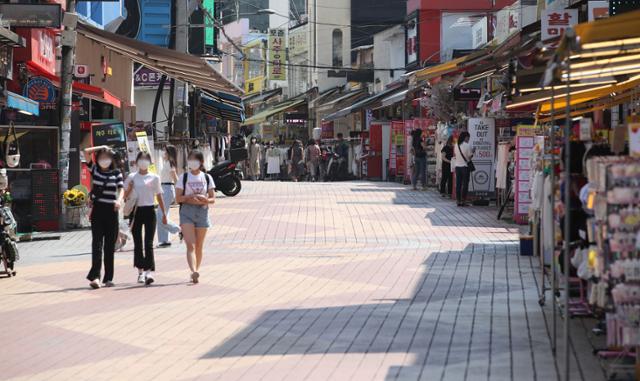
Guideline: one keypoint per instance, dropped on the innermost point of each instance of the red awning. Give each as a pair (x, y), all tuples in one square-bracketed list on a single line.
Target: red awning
[(87, 91)]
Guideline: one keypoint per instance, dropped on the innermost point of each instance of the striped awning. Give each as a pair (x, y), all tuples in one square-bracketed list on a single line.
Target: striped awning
[(222, 106)]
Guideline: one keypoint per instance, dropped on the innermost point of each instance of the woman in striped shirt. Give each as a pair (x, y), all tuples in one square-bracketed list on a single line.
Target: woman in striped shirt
[(106, 198)]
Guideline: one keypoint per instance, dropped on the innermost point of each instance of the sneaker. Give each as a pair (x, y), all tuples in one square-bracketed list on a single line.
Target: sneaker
[(194, 277), (109, 284), (164, 244), (95, 284), (149, 278), (141, 278)]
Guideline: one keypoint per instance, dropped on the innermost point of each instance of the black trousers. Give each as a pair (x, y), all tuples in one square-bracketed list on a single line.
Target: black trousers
[(446, 181), (145, 217), (462, 184), (104, 231)]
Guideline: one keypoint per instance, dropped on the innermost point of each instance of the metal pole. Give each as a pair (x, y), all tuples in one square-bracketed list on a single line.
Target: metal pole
[(567, 205), (552, 145), (65, 103)]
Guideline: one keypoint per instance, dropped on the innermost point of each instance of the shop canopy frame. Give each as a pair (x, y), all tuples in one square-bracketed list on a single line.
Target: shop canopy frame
[(350, 96), (181, 66), (263, 115), (361, 104), (222, 106)]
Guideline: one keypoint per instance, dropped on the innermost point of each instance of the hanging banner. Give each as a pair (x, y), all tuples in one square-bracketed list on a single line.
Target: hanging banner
[(554, 22), (277, 55), (483, 140), (144, 145), (525, 142)]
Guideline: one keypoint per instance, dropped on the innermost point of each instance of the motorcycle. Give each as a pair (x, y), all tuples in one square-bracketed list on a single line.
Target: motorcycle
[(226, 176), (9, 249)]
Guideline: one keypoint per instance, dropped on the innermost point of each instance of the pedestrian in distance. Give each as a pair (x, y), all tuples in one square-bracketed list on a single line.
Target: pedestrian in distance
[(195, 191), (254, 159), (420, 160), (312, 156), (464, 154), (297, 160), (146, 188), (168, 179), (446, 180), (105, 201)]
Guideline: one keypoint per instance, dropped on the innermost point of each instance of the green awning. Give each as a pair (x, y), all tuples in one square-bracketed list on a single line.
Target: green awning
[(275, 109)]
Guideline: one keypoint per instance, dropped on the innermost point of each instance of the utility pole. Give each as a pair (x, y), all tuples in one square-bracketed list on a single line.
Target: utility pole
[(68, 42), (181, 45)]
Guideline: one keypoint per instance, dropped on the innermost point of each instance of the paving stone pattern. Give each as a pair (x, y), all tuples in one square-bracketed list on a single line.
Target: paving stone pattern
[(301, 281)]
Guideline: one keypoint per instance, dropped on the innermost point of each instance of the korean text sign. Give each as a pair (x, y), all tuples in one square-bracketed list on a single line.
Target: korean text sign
[(277, 55), (554, 22), (483, 140)]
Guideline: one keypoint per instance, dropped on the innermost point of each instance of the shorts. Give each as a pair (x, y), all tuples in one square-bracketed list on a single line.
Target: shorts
[(195, 215)]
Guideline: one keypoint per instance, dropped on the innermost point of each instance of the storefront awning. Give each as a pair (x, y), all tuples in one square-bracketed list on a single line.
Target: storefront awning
[(180, 66), (261, 96), (276, 109), (350, 96), (22, 104), (394, 98), (438, 70), (222, 106), (9, 38), (88, 91), (358, 105)]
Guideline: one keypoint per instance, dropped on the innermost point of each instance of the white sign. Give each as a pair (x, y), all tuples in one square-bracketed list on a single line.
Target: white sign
[(556, 4), (81, 71), (554, 22), (634, 139), (507, 21), (411, 45), (483, 140), (598, 10), (298, 43), (586, 128), (479, 33)]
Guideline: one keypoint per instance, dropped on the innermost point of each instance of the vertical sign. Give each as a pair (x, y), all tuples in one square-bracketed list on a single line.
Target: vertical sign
[(479, 33), (483, 140), (411, 41), (277, 55), (525, 141), (633, 124), (555, 22), (209, 30)]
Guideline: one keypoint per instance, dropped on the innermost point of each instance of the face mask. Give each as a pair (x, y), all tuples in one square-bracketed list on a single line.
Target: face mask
[(104, 163), (143, 164), (193, 164)]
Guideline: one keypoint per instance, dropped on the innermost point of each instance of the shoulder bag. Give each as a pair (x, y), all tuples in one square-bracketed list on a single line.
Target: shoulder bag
[(470, 164)]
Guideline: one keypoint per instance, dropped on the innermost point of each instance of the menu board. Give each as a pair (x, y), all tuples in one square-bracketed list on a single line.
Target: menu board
[(112, 135), (483, 141), (525, 142)]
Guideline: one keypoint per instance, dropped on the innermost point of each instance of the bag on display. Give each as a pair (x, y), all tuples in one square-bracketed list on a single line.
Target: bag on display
[(11, 148)]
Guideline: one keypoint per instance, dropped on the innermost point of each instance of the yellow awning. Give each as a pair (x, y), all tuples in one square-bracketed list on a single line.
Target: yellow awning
[(438, 70), (588, 95), (613, 28), (276, 109)]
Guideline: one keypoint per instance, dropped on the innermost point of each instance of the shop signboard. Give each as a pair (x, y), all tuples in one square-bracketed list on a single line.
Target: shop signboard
[(412, 40), (32, 15), (554, 22), (146, 78), (479, 33), (598, 10), (327, 130), (297, 118), (112, 135), (298, 44), (81, 71), (277, 55), (525, 143), (41, 90), (634, 136), (483, 141)]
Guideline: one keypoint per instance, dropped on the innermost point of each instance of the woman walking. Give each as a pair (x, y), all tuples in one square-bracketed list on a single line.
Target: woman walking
[(297, 160), (168, 178), (446, 180), (312, 156), (463, 153), (195, 190), (106, 198), (148, 190), (420, 160), (254, 159)]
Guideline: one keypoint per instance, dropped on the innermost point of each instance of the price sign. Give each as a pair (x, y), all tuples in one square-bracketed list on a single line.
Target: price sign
[(483, 140)]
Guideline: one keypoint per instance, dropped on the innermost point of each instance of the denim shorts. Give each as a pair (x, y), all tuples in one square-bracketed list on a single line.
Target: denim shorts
[(196, 215)]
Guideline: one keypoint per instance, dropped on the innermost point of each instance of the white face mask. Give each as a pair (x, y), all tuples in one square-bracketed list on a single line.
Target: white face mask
[(143, 164), (193, 164), (104, 163)]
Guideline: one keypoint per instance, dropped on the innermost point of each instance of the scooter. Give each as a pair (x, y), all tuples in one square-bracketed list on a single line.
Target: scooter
[(226, 177)]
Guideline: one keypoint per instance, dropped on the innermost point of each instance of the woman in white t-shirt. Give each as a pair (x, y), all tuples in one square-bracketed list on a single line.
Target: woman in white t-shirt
[(168, 178), (195, 190), (463, 154), (146, 186)]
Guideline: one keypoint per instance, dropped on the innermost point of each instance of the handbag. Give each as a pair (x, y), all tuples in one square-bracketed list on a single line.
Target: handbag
[(470, 164), (11, 148)]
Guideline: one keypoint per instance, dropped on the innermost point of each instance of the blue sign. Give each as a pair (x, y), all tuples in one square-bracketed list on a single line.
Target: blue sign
[(22, 104), (42, 91)]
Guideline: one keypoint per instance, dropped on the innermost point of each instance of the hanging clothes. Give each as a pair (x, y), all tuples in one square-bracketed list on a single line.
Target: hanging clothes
[(547, 230), (273, 161), (502, 165)]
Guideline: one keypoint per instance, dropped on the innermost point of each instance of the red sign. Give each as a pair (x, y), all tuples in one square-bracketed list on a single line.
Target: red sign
[(327, 130), (40, 49), (554, 22)]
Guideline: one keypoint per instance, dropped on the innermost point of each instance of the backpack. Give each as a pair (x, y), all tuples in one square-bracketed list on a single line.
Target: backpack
[(184, 182)]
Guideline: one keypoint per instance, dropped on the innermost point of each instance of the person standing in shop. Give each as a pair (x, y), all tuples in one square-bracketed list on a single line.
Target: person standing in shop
[(254, 159), (446, 181), (463, 154), (168, 178), (420, 160), (146, 188), (106, 199), (195, 191), (312, 157)]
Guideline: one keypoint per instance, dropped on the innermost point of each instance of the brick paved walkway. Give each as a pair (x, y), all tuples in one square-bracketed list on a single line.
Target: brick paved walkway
[(342, 281)]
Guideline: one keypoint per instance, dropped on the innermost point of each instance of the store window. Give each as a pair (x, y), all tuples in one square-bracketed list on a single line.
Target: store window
[(337, 47)]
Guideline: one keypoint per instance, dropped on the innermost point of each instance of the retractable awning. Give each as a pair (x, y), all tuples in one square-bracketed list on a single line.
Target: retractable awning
[(398, 96), (353, 95), (222, 106), (180, 66), (359, 105), (262, 96), (275, 109)]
